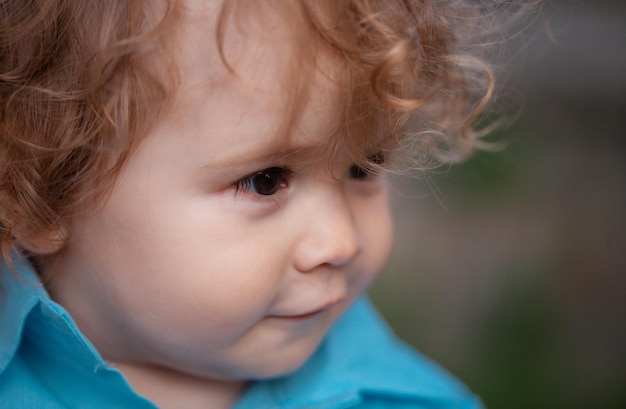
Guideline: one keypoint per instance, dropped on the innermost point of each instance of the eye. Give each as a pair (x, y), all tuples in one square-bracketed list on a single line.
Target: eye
[(357, 172), (265, 183), (371, 167)]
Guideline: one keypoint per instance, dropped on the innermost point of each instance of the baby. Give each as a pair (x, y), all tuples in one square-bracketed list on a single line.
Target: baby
[(194, 197)]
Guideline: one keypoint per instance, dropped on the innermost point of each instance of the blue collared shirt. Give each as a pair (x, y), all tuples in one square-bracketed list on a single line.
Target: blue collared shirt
[(45, 362)]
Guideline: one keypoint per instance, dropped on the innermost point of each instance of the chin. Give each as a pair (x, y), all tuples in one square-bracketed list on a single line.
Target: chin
[(280, 366), (275, 365)]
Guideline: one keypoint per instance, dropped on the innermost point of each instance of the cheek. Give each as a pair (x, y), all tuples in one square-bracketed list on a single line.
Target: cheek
[(376, 229), (190, 275), (211, 278), (201, 308), (381, 235)]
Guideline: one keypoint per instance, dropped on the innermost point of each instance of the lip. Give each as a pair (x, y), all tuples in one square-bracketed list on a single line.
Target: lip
[(310, 314)]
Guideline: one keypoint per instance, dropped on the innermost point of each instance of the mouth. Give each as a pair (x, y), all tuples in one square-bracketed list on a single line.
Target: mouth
[(310, 314), (301, 317)]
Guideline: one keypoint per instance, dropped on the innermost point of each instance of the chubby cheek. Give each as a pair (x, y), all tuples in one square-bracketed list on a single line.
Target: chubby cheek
[(377, 233), (193, 280), (214, 297)]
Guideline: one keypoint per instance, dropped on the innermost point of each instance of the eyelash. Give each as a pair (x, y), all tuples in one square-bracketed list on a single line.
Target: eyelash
[(277, 178)]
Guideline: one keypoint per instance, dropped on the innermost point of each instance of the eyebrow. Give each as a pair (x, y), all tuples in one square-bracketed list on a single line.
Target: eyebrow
[(270, 153)]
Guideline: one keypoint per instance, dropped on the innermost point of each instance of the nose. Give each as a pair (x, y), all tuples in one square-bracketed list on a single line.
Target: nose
[(330, 235)]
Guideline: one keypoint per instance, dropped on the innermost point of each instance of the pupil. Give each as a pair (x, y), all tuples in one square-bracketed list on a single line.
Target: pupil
[(267, 182)]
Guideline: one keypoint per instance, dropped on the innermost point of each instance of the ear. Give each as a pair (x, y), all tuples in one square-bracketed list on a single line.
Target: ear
[(47, 242)]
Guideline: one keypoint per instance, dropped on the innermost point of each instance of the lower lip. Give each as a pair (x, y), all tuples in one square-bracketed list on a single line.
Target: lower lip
[(303, 317)]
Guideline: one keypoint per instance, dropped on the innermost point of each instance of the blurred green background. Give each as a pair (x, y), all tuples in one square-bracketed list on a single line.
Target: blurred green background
[(510, 269)]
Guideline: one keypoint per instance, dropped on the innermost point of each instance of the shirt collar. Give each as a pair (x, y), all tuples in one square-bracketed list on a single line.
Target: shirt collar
[(43, 333), (20, 291), (21, 294)]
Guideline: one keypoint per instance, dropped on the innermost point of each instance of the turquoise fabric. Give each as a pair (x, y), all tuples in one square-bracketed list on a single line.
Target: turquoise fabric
[(45, 362)]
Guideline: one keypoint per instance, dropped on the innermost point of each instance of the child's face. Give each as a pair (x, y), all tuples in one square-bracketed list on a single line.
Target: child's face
[(193, 265)]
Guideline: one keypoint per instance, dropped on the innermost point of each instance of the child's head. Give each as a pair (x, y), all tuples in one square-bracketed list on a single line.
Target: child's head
[(198, 183)]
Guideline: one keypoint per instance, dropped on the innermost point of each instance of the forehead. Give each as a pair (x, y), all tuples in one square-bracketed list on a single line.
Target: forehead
[(256, 63), (264, 59)]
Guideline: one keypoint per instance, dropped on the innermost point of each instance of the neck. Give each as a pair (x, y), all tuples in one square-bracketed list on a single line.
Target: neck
[(170, 389)]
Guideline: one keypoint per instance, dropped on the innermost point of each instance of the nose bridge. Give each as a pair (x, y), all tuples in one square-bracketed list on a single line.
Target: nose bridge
[(331, 237)]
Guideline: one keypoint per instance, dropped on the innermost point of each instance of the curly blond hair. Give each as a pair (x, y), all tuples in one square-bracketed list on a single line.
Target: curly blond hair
[(79, 86)]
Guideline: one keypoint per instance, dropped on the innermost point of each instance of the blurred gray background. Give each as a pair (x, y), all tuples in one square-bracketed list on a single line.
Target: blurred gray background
[(510, 269)]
